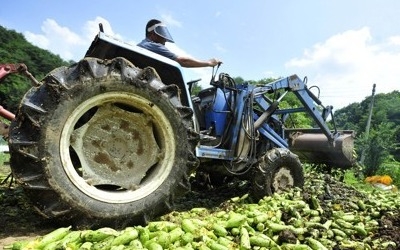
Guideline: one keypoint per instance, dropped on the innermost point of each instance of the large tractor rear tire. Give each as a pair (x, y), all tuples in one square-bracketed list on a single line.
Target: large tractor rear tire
[(102, 143), (278, 170)]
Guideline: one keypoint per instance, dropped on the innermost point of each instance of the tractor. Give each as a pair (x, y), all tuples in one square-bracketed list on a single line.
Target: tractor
[(114, 139)]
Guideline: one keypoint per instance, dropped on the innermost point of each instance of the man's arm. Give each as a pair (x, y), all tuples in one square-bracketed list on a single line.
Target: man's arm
[(193, 63)]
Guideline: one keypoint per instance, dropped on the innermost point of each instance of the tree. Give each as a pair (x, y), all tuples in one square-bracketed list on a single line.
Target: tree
[(196, 88), (15, 49), (385, 111), (294, 120), (377, 145), (349, 117), (238, 80)]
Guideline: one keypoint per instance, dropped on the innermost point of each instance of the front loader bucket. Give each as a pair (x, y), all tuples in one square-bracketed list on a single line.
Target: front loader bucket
[(312, 146)]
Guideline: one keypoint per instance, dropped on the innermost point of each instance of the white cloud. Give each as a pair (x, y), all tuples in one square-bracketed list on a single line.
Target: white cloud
[(64, 42), (38, 40), (91, 28), (60, 40), (346, 66)]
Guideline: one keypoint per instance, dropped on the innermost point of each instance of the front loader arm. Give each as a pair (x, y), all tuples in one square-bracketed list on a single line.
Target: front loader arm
[(317, 145), (311, 104)]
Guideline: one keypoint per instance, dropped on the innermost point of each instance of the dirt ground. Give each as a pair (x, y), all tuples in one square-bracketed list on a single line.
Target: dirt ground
[(18, 221)]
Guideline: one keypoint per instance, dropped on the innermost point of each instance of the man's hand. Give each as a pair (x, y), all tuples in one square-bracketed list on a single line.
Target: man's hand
[(214, 62)]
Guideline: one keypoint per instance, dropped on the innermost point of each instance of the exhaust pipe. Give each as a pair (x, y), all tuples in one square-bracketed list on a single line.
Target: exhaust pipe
[(312, 146)]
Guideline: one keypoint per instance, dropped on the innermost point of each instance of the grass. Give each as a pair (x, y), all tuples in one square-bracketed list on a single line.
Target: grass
[(350, 178), (4, 169), (4, 158)]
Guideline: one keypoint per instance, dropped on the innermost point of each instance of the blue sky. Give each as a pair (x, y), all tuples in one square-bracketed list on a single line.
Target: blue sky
[(342, 46)]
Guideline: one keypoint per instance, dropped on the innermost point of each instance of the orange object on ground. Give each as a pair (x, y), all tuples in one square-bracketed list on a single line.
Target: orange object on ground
[(384, 179)]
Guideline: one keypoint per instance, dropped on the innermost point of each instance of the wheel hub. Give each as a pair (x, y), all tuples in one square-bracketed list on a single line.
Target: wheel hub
[(282, 180), (116, 147)]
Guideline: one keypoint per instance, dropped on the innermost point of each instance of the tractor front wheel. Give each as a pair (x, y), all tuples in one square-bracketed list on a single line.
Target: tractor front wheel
[(278, 170)]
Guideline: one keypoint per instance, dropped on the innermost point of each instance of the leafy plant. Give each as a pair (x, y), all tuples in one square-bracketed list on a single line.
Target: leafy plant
[(16, 49), (376, 147), (391, 167)]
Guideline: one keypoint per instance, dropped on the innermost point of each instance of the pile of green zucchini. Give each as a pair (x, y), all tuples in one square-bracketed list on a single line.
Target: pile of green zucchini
[(312, 218)]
